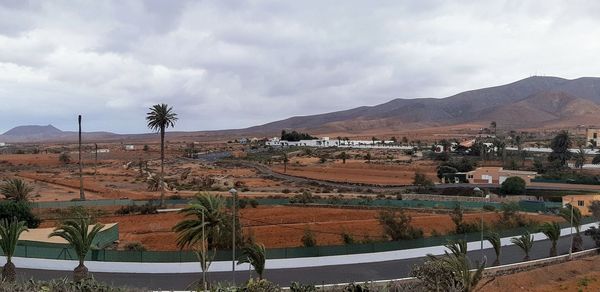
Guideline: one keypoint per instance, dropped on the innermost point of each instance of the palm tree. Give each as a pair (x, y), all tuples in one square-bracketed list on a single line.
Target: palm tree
[(580, 157), (494, 239), (10, 231), (343, 156), (80, 237), (160, 117), (566, 213), (457, 263), (525, 242), (560, 145), (552, 231), (16, 189), (190, 230), (255, 255), (458, 247)]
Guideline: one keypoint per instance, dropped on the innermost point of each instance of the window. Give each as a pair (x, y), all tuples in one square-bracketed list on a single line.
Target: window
[(580, 203)]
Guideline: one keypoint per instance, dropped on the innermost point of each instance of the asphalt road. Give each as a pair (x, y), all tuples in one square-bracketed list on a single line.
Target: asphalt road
[(314, 275)]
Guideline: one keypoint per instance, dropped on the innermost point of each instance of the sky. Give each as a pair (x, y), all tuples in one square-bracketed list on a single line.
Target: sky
[(234, 64)]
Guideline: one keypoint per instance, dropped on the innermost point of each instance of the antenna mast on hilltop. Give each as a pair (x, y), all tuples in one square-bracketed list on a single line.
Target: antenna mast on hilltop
[(81, 194)]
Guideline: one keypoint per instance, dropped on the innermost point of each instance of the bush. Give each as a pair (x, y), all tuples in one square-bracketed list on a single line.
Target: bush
[(397, 226), (135, 246), (174, 197), (63, 285), (308, 239), (305, 197), (489, 208), (347, 238), (21, 210), (242, 203), (254, 203), (513, 185), (134, 209), (260, 286), (298, 287), (64, 158)]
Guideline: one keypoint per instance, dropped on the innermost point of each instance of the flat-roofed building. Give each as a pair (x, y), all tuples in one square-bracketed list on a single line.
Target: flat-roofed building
[(581, 202), (497, 175)]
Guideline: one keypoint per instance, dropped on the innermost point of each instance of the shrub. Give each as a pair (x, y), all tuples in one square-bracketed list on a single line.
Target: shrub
[(489, 208), (347, 238), (513, 185), (260, 286), (286, 191), (305, 197), (174, 197), (254, 203), (397, 226), (298, 287), (308, 239), (21, 210), (242, 203), (135, 246), (63, 285), (134, 209), (64, 158)]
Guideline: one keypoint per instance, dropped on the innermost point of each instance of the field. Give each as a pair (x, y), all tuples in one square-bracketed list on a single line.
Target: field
[(283, 226), (359, 171)]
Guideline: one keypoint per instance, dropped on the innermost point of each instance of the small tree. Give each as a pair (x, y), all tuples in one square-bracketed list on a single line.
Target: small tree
[(285, 161), (596, 159), (560, 145), (513, 185), (308, 239), (368, 157), (343, 156), (552, 231), (396, 225), (16, 189), (64, 158), (80, 237), (421, 180), (580, 158), (255, 255), (525, 242), (10, 231), (494, 239)]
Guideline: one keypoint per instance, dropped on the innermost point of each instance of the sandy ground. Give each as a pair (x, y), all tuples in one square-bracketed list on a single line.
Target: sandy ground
[(357, 171), (577, 275), (283, 226)]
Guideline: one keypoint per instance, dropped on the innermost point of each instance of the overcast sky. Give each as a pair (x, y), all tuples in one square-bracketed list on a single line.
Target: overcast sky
[(232, 64)]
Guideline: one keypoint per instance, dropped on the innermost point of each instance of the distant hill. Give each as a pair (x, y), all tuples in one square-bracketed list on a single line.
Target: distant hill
[(531, 102), (35, 133), (534, 102)]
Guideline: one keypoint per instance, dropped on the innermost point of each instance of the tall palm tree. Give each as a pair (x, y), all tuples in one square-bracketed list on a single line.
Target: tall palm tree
[(16, 189), (494, 239), (565, 213), (255, 255), (458, 247), (580, 157), (190, 230), (10, 231), (80, 237), (552, 231), (160, 117), (525, 242)]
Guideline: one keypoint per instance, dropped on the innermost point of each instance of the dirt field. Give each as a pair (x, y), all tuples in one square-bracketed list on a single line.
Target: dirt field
[(283, 226), (358, 171), (577, 275)]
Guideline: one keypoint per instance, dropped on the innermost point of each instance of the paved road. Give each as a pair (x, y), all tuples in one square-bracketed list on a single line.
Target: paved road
[(315, 275)]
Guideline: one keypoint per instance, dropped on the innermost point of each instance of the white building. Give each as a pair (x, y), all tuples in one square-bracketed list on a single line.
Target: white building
[(129, 147), (326, 142), (2, 144)]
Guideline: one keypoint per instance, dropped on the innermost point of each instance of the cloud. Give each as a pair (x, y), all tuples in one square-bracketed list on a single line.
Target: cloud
[(231, 64)]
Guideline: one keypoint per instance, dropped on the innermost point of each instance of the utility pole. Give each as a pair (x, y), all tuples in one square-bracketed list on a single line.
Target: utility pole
[(95, 160), (233, 231), (81, 193)]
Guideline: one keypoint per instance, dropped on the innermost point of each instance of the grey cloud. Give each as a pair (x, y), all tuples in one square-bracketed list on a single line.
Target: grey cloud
[(228, 64)]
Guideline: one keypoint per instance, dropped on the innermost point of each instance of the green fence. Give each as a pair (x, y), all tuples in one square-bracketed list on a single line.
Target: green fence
[(54, 252)]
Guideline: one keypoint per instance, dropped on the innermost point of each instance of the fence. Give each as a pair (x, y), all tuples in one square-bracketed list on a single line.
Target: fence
[(53, 252)]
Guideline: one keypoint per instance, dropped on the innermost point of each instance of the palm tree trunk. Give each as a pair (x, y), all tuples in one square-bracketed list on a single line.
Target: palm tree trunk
[(80, 272), (9, 273), (553, 249), (162, 166)]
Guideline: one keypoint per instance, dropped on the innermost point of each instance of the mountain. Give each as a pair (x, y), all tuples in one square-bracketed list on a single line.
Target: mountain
[(532, 102), (35, 133)]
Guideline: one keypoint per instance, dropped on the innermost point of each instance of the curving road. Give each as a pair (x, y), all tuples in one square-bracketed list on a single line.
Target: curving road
[(315, 275)]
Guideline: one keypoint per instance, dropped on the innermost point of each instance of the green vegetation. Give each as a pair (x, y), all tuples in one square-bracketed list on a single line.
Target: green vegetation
[(308, 239), (552, 231), (62, 285), (16, 189), (160, 117), (560, 145), (254, 254), (64, 158), (9, 236), (525, 242), (20, 210), (212, 209), (494, 239), (396, 225), (451, 272), (80, 237), (294, 136), (573, 215), (513, 185)]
